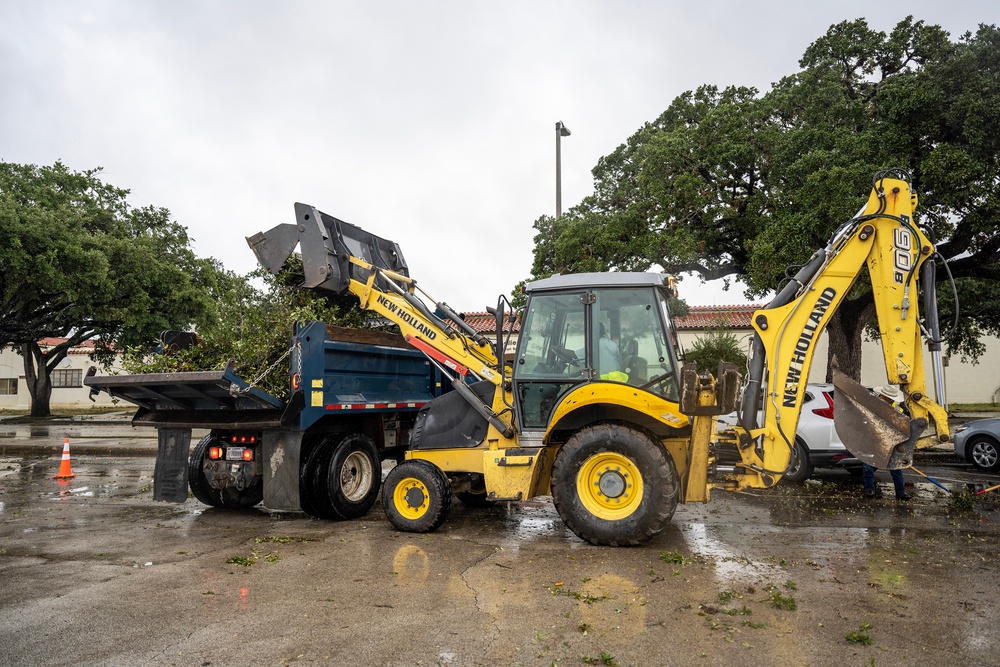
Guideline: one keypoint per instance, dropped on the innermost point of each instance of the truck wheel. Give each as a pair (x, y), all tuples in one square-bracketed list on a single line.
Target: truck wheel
[(800, 468), (197, 481), (307, 467), (614, 486), (476, 495), (416, 497), (347, 478), (229, 498)]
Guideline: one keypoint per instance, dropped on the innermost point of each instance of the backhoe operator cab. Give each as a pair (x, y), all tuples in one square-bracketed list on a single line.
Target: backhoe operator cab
[(593, 327)]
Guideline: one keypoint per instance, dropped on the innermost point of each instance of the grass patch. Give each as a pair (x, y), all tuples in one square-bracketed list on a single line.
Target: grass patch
[(862, 635), (974, 407), (576, 595), (673, 557), (274, 539), (779, 601)]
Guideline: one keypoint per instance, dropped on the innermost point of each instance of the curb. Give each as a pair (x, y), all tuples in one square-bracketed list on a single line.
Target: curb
[(77, 450)]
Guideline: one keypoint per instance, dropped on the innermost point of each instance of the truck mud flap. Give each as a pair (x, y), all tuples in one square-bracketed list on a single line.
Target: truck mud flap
[(281, 469), (871, 429), (170, 476)]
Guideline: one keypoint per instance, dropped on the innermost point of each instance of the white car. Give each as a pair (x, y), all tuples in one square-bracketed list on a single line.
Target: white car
[(816, 442)]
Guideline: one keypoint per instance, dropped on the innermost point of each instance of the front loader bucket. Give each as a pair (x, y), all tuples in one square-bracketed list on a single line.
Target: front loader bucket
[(874, 431), (327, 244)]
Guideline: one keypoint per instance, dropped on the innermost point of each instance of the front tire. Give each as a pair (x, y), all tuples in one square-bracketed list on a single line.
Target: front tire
[(984, 453), (416, 497), (800, 468), (613, 485)]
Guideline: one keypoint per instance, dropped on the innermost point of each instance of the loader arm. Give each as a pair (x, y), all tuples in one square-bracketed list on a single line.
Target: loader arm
[(884, 238), (340, 258)]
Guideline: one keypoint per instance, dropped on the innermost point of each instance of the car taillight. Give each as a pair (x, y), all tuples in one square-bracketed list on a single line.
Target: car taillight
[(215, 452), (826, 412)]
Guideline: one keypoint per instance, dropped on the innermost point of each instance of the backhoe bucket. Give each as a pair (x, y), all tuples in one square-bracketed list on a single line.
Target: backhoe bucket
[(326, 244), (874, 431)]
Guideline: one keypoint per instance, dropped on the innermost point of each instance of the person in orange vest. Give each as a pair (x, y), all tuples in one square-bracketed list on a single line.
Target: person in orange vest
[(891, 394)]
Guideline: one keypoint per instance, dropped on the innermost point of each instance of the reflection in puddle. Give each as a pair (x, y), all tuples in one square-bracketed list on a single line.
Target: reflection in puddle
[(736, 562), (728, 564)]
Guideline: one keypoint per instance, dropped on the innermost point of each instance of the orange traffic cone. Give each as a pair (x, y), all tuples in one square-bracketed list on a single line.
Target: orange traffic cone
[(64, 470)]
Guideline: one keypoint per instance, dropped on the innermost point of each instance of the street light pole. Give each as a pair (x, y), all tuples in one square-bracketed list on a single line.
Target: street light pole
[(561, 131)]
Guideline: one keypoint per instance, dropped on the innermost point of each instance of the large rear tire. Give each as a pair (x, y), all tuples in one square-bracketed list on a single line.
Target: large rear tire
[(416, 497), (197, 481), (307, 468), (613, 485), (347, 477)]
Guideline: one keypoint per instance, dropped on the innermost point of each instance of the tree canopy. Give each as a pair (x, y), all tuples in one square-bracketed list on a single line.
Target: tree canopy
[(79, 263), (737, 183)]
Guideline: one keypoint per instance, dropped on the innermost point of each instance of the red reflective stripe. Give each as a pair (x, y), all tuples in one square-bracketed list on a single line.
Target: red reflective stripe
[(372, 406)]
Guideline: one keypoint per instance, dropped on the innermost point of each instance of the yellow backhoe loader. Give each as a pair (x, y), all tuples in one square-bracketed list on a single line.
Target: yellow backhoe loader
[(597, 410)]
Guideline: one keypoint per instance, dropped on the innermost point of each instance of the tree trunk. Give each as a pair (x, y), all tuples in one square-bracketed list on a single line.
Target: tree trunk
[(36, 377), (844, 331)]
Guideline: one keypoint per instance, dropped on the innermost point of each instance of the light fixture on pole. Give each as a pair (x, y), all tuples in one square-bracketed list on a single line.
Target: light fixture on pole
[(561, 131)]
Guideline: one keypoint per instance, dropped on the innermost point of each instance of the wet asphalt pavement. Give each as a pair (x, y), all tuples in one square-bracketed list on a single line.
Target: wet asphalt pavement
[(94, 572)]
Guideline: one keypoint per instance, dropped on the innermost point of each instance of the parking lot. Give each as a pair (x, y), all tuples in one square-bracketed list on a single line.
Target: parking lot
[(95, 572)]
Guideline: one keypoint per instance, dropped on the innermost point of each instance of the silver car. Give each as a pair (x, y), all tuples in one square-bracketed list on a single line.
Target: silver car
[(978, 442), (816, 442)]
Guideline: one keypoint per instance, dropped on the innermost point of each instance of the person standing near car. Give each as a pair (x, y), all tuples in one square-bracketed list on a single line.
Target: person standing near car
[(891, 394)]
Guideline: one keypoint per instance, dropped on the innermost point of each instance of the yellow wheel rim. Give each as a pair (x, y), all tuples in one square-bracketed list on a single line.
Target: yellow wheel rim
[(410, 498), (609, 486)]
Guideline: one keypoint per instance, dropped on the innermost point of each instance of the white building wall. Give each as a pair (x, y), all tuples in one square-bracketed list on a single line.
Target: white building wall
[(12, 367), (964, 382)]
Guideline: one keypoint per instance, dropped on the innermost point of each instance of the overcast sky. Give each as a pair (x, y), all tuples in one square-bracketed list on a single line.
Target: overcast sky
[(429, 123)]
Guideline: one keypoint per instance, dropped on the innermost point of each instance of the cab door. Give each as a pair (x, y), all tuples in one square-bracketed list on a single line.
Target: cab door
[(553, 354)]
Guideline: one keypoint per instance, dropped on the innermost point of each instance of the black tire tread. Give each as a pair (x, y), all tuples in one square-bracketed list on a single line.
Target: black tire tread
[(437, 486), (330, 501), (660, 480)]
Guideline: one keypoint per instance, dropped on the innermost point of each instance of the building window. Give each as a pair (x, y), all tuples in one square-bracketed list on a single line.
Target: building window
[(69, 377), (8, 386)]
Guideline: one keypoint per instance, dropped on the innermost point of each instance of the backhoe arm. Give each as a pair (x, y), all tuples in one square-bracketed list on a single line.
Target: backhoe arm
[(883, 238)]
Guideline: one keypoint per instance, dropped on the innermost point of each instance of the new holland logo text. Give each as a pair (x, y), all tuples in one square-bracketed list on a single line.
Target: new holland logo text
[(407, 318), (803, 344)]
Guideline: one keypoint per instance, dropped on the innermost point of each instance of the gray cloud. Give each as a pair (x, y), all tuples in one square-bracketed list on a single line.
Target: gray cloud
[(430, 123)]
